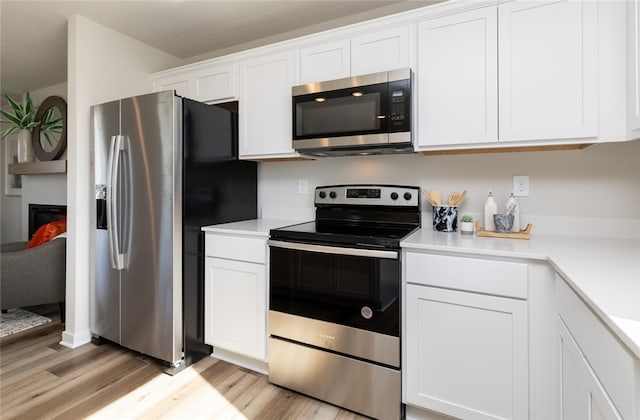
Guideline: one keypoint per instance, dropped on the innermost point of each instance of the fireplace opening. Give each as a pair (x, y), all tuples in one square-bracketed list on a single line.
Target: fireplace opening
[(41, 214)]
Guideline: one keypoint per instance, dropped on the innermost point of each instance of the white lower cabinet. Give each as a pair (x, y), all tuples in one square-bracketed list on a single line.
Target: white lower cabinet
[(583, 397), (235, 311), (236, 298), (466, 353), (600, 376)]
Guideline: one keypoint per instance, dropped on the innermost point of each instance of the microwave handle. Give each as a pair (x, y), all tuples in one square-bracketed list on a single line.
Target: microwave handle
[(357, 252)]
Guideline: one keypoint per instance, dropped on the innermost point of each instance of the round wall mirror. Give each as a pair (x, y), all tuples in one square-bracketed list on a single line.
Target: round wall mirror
[(50, 136)]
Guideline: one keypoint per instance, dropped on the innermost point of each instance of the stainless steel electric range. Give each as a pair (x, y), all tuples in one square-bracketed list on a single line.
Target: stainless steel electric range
[(334, 300)]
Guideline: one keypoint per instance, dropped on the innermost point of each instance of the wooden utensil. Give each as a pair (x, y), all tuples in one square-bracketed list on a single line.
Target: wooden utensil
[(461, 197), (437, 197), (453, 198), (428, 197)]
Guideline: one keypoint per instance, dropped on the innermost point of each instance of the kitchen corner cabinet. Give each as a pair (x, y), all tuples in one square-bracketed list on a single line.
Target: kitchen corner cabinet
[(210, 83), (265, 105), (466, 348), (236, 294), (600, 377), (582, 394), (457, 78)]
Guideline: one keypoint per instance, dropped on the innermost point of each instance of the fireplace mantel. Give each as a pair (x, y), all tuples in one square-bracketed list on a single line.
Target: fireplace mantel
[(35, 168)]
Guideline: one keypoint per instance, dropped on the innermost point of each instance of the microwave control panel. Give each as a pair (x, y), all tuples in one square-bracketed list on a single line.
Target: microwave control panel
[(400, 105)]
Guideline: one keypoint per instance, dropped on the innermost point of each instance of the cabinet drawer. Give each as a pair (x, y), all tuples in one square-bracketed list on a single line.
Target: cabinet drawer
[(239, 248), (611, 362), (500, 278)]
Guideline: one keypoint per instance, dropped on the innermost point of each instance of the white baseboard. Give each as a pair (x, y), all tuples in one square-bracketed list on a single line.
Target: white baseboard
[(74, 340)]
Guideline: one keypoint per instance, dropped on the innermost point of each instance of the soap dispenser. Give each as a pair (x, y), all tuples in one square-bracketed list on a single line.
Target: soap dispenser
[(512, 206), (490, 208)]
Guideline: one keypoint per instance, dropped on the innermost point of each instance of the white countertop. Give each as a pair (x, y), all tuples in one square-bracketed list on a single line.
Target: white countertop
[(253, 227), (605, 272)]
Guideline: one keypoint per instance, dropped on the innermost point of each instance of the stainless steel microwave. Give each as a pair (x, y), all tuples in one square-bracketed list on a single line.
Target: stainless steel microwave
[(369, 114)]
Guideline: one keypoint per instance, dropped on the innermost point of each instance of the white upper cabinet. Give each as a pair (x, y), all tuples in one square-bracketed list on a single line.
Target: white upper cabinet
[(265, 106), (216, 83), (633, 72), (373, 52), (457, 78), (380, 51), (548, 70), (205, 83), (180, 82), (328, 61)]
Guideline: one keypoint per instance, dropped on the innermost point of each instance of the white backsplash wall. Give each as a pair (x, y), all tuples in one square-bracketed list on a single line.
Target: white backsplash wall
[(593, 191)]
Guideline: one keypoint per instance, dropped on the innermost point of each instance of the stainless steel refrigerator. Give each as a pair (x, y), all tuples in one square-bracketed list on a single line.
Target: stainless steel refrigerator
[(164, 167)]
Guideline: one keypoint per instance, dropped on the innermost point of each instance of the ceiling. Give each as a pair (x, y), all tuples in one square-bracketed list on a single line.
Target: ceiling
[(34, 33)]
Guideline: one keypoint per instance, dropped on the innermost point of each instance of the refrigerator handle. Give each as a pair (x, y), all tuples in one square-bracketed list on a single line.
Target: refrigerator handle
[(113, 222)]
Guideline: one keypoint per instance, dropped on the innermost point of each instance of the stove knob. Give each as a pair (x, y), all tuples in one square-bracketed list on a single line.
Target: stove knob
[(322, 194), (333, 194), (407, 196), (394, 195)]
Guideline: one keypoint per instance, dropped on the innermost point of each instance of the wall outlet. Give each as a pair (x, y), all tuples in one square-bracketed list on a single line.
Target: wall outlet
[(521, 186), (303, 186)]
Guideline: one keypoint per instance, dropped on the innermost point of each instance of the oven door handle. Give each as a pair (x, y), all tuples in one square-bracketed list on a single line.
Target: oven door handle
[(357, 252)]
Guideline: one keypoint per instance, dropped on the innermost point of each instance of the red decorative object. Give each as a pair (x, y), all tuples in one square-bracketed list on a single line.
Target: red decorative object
[(47, 232)]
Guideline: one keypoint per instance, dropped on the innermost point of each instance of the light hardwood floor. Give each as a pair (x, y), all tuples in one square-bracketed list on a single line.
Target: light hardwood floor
[(39, 378)]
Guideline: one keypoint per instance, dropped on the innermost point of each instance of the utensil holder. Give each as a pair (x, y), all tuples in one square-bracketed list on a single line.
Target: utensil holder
[(445, 218)]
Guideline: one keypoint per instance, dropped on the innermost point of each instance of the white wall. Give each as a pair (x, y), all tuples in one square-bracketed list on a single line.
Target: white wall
[(593, 191), (103, 65), (40, 189)]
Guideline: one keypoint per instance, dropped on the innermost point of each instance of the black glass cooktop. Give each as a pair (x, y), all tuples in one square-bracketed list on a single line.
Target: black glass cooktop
[(345, 233)]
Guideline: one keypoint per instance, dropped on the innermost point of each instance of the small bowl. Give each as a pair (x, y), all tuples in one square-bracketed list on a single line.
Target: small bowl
[(503, 222)]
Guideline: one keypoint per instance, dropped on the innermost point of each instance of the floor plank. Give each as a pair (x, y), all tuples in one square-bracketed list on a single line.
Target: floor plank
[(41, 379)]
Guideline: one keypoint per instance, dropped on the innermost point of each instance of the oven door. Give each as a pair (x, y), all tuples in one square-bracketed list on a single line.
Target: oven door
[(327, 296)]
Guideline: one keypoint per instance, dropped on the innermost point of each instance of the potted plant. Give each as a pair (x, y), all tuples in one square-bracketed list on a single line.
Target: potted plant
[(20, 119), (466, 225)]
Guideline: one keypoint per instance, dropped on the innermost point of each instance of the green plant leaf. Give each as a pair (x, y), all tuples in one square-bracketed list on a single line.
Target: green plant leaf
[(14, 105), (8, 132), (46, 136), (10, 119)]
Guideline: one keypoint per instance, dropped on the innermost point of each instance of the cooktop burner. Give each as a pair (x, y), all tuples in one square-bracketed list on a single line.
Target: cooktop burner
[(359, 215)]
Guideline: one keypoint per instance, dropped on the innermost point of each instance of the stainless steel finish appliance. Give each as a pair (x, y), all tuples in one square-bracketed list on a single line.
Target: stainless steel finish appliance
[(334, 300), (369, 114), (164, 167)]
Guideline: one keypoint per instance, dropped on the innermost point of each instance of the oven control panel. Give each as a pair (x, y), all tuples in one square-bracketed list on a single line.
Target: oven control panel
[(369, 195)]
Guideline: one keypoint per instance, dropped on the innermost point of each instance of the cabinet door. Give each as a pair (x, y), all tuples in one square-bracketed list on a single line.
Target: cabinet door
[(582, 395), (265, 106), (633, 28), (380, 51), (548, 70), (457, 79), (466, 353), (235, 307), (216, 83), (325, 62), (181, 83)]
